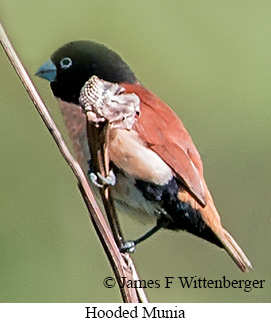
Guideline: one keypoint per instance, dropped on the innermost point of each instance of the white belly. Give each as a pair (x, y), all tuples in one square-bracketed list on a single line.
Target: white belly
[(131, 201)]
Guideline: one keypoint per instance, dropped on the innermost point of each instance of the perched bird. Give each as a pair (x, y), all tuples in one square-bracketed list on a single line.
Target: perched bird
[(157, 167)]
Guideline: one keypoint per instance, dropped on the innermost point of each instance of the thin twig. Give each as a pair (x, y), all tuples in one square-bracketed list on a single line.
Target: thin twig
[(98, 144), (119, 263)]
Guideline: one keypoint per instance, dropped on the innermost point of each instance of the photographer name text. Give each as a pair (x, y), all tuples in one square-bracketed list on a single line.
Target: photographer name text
[(195, 282)]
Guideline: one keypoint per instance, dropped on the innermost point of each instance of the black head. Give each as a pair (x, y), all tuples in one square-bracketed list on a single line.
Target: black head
[(74, 63)]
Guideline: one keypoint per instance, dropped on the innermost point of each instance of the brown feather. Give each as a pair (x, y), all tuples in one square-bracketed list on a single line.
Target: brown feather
[(129, 153), (212, 219), (75, 121), (161, 129)]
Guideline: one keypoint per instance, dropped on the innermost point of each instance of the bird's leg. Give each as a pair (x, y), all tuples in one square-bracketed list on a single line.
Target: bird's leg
[(129, 246), (108, 180)]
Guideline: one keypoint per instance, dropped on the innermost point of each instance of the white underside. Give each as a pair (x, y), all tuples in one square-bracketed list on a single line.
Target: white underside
[(129, 154), (131, 201)]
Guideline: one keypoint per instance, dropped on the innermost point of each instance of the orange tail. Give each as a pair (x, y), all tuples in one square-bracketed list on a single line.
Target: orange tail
[(212, 219), (234, 251)]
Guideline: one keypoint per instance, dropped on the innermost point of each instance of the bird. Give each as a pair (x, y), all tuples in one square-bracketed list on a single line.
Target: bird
[(157, 167)]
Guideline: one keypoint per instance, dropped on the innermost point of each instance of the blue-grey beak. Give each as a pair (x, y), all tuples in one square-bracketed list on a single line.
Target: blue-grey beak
[(47, 71)]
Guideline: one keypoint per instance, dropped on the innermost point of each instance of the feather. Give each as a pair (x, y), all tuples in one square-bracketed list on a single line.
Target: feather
[(174, 147), (161, 129), (212, 219), (75, 122)]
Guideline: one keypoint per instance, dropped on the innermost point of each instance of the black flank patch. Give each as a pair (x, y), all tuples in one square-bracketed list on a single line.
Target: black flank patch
[(184, 217)]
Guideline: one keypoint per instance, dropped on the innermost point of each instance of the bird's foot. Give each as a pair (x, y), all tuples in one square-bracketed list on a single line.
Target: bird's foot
[(108, 180), (128, 246)]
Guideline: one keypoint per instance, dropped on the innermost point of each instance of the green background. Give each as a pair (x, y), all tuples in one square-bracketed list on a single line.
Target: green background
[(210, 61)]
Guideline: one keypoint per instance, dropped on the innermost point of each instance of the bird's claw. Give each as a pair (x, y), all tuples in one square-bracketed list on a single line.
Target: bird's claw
[(108, 180), (128, 246)]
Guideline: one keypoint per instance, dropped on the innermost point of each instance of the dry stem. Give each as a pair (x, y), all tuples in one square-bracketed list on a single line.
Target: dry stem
[(121, 264)]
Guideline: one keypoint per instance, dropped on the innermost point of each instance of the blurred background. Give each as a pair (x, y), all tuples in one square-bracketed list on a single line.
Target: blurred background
[(210, 61)]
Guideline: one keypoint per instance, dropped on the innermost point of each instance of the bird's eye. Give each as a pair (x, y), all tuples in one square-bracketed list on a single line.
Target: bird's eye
[(65, 63)]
